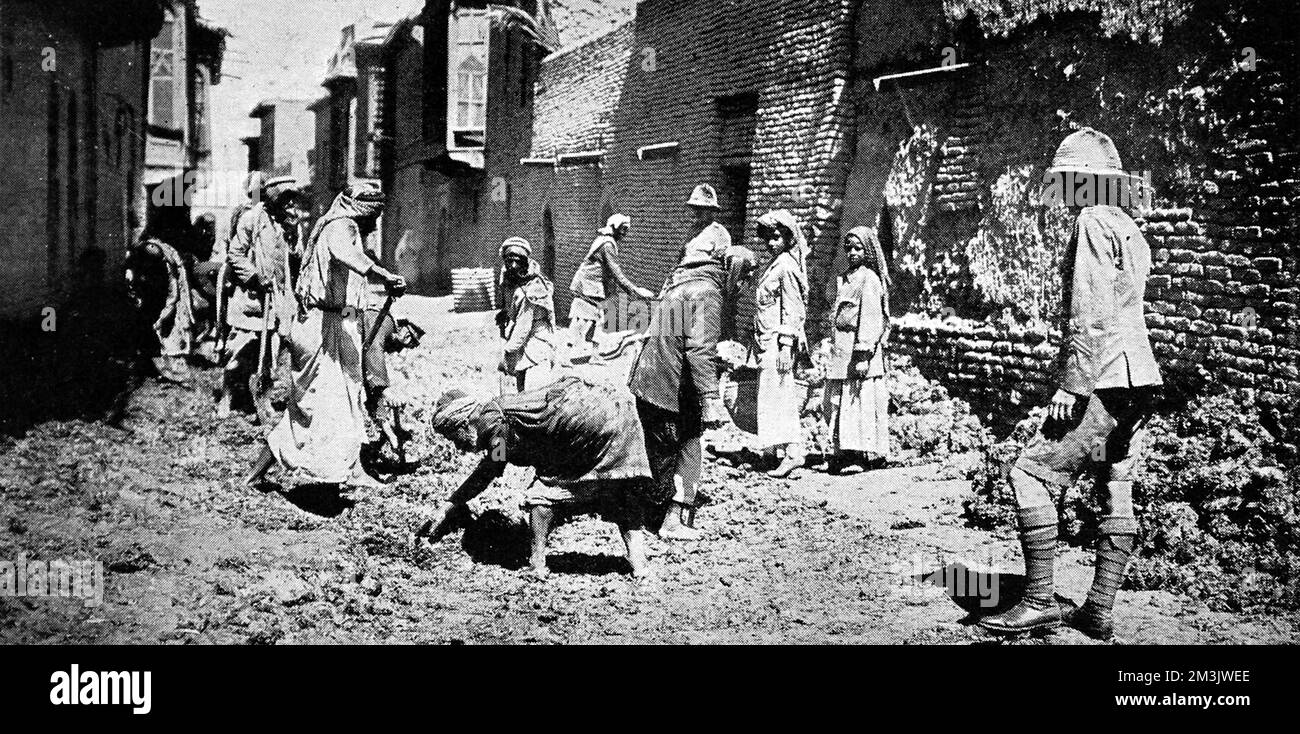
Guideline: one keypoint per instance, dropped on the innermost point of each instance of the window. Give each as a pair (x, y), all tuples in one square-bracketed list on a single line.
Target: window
[(162, 77), (201, 122), (737, 120), (467, 82), (471, 104)]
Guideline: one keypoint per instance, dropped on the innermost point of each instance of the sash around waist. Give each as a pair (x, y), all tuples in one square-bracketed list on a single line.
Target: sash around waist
[(346, 312)]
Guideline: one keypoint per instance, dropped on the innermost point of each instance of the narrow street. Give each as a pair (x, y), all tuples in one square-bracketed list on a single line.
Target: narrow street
[(192, 557)]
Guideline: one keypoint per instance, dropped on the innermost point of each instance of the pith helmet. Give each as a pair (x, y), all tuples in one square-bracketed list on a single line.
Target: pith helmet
[(1087, 151), (704, 196)]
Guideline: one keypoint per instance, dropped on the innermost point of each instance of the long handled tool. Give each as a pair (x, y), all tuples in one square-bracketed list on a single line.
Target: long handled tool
[(223, 306), (260, 384), (387, 428), (379, 322)]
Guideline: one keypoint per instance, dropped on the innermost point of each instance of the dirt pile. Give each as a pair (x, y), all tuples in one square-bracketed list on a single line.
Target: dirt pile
[(1218, 504)]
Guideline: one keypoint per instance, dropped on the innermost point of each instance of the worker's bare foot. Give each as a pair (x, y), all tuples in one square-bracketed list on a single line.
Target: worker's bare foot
[(223, 408), (537, 569), (787, 467), (640, 568), (362, 480), (680, 533)]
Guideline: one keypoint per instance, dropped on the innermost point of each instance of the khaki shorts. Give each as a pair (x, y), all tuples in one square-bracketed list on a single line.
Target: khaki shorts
[(1108, 436)]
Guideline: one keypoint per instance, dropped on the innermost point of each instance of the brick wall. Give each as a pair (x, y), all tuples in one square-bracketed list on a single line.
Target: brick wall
[(1222, 151), (655, 80), (946, 153), (659, 80)]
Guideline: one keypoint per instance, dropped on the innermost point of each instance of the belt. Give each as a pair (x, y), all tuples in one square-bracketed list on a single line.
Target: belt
[(345, 311)]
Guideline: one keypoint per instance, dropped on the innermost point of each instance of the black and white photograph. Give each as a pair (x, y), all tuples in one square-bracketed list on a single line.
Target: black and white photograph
[(963, 323)]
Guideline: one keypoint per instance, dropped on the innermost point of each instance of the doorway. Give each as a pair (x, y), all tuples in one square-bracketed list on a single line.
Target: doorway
[(733, 197), (548, 245)]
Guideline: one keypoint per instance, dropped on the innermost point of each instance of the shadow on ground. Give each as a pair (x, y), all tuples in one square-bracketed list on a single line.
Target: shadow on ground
[(319, 499), (978, 593), (495, 539)]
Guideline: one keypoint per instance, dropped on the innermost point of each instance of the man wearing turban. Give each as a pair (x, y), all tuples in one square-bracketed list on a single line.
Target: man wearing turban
[(262, 308), (582, 437), (321, 433), (528, 320)]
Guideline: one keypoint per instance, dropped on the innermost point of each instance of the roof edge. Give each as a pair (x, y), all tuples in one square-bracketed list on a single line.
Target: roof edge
[(588, 41)]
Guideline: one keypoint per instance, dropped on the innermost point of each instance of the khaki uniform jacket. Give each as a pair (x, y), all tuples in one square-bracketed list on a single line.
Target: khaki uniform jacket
[(1105, 343)]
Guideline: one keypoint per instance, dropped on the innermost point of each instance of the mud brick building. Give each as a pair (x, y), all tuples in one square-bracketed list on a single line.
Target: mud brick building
[(347, 121), (935, 118), (185, 62), (288, 131), (1198, 96), (459, 108), (73, 103)]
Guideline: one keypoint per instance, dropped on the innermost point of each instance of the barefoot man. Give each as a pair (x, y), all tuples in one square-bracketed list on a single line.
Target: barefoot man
[(585, 441)]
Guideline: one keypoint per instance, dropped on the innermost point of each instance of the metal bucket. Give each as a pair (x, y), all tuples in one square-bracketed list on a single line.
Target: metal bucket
[(739, 389)]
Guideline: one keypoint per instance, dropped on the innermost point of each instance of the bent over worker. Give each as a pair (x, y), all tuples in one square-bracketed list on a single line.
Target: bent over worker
[(582, 437)]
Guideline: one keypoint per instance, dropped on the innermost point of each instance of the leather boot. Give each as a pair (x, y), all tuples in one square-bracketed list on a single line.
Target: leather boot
[(1037, 608), (1114, 548), (1091, 621)]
